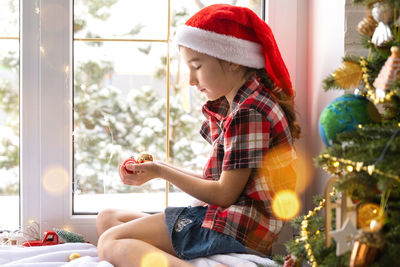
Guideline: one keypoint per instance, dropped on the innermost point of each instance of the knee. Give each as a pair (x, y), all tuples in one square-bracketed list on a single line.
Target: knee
[(104, 246), (103, 220), (105, 215)]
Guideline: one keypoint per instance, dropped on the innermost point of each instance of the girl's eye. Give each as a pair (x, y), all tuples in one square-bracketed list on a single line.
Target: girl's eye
[(197, 67)]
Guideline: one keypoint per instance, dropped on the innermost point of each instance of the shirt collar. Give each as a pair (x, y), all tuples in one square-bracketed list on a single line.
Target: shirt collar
[(219, 108)]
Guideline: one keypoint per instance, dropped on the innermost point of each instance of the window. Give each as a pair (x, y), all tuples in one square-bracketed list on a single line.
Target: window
[(9, 113), (96, 89), (131, 96)]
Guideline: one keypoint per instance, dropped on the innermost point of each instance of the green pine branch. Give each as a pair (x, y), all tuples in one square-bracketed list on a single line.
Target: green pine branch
[(69, 237)]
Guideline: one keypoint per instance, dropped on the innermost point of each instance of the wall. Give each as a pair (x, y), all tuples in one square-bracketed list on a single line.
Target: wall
[(311, 38), (325, 51), (353, 15)]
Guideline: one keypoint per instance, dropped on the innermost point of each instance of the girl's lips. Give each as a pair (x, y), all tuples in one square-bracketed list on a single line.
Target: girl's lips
[(202, 89)]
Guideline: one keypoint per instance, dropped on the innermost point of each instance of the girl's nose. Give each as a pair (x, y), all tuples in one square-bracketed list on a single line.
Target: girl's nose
[(193, 80)]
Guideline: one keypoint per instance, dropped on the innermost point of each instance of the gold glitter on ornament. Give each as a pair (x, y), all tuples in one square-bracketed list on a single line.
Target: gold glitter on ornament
[(74, 256), (144, 157), (370, 216), (348, 76)]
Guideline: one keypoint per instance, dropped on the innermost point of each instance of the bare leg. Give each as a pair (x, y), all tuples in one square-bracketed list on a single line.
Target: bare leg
[(129, 243), (112, 217)]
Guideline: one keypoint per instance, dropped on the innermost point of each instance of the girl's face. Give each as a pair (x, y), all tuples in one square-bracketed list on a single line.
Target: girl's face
[(210, 75)]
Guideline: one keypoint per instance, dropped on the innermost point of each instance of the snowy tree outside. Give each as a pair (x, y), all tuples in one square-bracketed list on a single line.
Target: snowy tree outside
[(120, 102)]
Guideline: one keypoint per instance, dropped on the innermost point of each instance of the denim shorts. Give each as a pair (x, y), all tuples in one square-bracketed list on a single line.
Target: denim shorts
[(190, 240)]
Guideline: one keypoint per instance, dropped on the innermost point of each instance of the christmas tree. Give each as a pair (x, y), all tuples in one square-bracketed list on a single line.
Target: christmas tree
[(356, 222)]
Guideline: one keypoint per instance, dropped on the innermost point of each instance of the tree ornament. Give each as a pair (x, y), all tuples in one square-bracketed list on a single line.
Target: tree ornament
[(370, 217), (349, 75), (382, 12), (345, 114), (344, 209), (129, 160), (74, 256), (344, 237), (368, 25), (144, 157), (365, 249), (388, 74)]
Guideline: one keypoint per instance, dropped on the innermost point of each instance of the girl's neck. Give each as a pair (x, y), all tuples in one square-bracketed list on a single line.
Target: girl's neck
[(240, 80)]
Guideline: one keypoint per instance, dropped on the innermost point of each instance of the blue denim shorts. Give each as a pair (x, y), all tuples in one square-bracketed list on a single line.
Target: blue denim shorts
[(190, 240)]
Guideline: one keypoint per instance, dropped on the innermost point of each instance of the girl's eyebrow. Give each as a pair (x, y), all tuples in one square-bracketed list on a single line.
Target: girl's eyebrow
[(193, 59)]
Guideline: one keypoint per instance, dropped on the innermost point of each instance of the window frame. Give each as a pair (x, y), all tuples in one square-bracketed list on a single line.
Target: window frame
[(46, 122)]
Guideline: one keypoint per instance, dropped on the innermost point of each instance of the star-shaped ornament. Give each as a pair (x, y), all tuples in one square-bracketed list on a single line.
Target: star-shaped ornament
[(344, 237)]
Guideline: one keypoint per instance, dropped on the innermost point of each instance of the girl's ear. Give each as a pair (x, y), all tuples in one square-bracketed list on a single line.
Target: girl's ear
[(233, 66)]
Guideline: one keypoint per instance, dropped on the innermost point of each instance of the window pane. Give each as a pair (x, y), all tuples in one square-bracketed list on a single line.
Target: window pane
[(9, 20), (9, 115), (188, 149), (119, 110), (121, 19)]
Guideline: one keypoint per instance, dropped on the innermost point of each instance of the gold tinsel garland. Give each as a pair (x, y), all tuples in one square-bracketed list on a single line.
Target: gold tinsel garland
[(304, 233), (358, 166), (371, 94)]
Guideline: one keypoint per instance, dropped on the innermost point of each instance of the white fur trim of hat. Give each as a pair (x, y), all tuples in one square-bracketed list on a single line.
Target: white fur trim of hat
[(225, 47)]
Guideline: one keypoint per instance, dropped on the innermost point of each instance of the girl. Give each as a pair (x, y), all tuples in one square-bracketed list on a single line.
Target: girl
[(234, 60)]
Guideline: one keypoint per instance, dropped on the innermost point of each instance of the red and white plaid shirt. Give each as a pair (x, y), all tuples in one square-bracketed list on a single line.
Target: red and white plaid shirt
[(240, 140)]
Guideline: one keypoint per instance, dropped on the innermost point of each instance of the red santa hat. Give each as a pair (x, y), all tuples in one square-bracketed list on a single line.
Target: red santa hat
[(238, 35)]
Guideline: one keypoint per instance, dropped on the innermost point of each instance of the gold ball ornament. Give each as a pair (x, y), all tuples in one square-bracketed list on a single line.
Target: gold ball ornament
[(143, 157), (74, 256), (349, 75), (370, 217)]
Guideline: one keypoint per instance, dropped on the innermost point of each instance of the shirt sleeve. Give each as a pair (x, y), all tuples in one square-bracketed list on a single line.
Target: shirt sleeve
[(246, 140)]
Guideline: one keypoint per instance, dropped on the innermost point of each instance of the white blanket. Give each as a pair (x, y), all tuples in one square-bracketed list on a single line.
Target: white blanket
[(57, 255)]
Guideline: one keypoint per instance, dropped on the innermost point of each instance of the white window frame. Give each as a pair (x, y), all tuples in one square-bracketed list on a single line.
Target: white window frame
[(46, 106)]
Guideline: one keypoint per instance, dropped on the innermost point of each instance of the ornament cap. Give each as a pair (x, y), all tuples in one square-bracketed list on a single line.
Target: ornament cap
[(395, 51)]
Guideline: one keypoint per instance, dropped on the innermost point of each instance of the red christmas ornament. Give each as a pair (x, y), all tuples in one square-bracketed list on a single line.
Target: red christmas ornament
[(130, 160)]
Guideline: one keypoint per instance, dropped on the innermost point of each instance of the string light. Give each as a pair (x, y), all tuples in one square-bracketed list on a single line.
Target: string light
[(349, 168), (359, 166), (371, 94), (335, 164), (305, 234)]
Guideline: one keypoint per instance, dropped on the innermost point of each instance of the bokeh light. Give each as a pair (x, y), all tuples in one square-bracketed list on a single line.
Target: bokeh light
[(55, 180), (287, 169), (154, 259), (286, 205)]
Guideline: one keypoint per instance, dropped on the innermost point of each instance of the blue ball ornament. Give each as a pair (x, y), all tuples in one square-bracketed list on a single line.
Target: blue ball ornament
[(344, 114)]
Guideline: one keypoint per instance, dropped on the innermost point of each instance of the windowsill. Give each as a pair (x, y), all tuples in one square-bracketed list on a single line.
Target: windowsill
[(91, 204)]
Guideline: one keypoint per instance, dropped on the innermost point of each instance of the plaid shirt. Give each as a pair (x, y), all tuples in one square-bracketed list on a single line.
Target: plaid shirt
[(240, 140)]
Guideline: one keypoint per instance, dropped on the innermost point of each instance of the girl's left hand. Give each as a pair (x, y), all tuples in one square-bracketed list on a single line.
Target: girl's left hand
[(141, 173)]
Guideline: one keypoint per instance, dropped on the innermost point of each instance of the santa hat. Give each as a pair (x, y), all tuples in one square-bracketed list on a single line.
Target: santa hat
[(238, 35)]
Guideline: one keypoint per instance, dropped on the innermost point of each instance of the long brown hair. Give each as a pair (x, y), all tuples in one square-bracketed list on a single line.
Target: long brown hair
[(284, 100)]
